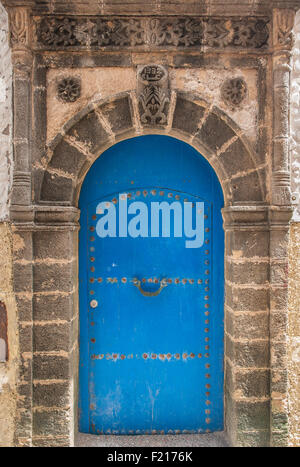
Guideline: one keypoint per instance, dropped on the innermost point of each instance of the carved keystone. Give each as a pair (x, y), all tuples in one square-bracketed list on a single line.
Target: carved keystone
[(153, 94)]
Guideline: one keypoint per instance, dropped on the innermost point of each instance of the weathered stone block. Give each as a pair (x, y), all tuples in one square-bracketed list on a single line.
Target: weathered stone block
[(67, 158), (252, 383), (102, 60), (54, 423), (25, 339), (22, 277), (279, 273), (258, 439), (52, 244), (183, 60), (247, 244), (39, 78), (22, 245), (52, 337), (56, 188), (187, 115), (24, 307), (25, 390), (23, 429), (118, 114), (51, 395), (253, 354), (241, 299), (248, 273), (247, 188), (236, 159), (52, 442), (53, 277), (280, 439), (25, 378), (21, 108), (21, 153), (90, 132), (252, 415), (215, 132), (278, 354), (279, 380), (51, 367), (247, 325), (40, 123), (279, 243), (280, 421), (53, 307), (230, 416), (278, 325), (278, 298)]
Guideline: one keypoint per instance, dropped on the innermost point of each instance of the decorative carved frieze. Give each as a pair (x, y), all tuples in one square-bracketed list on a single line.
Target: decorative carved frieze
[(65, 32), (234, 91), (153, 95), (69, 89)]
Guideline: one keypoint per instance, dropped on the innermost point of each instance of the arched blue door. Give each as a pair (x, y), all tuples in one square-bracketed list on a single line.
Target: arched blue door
[(151, 304)]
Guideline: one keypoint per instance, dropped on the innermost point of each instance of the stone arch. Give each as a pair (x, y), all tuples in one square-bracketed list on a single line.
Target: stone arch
[(247, 248), (101, 124)]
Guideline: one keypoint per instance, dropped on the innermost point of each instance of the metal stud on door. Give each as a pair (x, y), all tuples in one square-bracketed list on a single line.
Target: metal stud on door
[(151, 327)]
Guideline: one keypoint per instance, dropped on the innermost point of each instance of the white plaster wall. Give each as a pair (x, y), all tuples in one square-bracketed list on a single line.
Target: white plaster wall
[(295, 117), (5, 116)]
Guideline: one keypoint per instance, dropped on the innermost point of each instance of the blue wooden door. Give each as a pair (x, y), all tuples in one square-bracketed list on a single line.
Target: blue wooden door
[(151, 309)]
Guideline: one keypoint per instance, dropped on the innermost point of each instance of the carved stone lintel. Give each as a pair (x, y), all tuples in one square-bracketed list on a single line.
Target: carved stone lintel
[(123, 32), (19, 28), (153, 92)]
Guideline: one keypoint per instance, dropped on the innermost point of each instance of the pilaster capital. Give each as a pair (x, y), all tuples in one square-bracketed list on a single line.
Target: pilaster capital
[(19, 28), (20, 32), (283, 24)]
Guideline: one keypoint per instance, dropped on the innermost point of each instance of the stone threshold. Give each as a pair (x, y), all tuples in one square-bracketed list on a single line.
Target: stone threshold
[(217, 439)]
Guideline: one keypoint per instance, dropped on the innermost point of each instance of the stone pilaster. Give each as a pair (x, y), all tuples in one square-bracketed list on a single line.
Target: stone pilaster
[(283, 22), (55, 326), (247, 356), (19, 25), (19, 29), (279, 276)]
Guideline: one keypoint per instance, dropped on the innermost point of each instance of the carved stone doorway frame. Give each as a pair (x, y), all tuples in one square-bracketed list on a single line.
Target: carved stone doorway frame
[(47, 179)]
